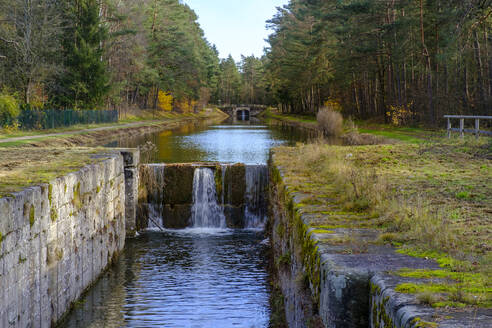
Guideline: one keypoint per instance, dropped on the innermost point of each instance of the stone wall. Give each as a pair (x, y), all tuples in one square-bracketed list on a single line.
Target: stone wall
[(56, 239)]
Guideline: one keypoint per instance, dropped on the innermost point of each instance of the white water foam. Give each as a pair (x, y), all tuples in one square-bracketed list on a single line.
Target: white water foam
[(206, 212)]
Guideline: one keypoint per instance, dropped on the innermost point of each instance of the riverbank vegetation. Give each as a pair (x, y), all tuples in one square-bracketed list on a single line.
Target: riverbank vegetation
[(429, 200), (100, 134)]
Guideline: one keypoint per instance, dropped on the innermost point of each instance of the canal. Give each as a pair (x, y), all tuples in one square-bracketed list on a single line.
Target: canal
[(191, 277)]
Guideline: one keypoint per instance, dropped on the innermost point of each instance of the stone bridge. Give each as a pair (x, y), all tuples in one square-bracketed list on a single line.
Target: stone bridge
[(242, 111)]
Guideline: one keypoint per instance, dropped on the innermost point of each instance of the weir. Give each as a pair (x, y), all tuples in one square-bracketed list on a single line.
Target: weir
[(203, 195)]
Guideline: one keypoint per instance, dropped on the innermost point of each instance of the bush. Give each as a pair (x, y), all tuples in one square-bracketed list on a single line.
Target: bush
[(330, 121), (9, 110)]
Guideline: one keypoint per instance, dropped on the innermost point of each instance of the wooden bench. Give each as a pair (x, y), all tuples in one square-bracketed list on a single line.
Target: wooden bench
[(462, 129)]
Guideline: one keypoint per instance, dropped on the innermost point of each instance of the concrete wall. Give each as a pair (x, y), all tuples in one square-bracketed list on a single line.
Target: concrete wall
[(56, 239)]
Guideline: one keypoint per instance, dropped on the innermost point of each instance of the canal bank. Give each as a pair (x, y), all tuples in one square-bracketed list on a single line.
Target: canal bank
[(328, 266), (101, 135), (339, 266)]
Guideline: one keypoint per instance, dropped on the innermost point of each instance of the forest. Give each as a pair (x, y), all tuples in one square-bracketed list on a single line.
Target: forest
[(415, 60), (406, 60), (112, 54)]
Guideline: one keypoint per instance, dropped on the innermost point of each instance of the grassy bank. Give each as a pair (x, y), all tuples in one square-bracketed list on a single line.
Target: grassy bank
[(85, 135), (20, 169), (402, 134), (431, 199), (34, 161)]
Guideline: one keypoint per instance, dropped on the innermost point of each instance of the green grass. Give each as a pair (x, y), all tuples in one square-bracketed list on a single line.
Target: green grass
[(405, 134), (269, 113), (394, 134)]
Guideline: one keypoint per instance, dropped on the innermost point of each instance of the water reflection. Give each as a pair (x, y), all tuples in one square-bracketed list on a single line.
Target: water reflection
[(178, 279), (234, 140)]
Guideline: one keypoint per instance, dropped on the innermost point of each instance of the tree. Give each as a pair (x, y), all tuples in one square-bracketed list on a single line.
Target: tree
[(229, 82), (383, 58), (29, 39), (84, 82)]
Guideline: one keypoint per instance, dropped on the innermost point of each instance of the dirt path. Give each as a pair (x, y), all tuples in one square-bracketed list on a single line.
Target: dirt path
[(103, 128)]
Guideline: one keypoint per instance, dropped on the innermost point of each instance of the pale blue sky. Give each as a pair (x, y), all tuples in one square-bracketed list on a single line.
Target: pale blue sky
[(236, 27)]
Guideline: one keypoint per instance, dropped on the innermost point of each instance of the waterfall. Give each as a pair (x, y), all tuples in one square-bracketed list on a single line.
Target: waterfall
[(205, 212), (255, 200)]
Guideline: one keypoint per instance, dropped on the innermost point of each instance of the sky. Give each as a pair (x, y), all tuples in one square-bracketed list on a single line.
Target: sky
[(236, 27)]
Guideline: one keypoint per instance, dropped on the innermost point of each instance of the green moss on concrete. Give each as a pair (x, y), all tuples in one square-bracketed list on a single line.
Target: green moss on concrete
[(1, 238), (77, 201), (31, 216), (322, 231), (284, 259), (379, 314), (59, 254), (444, 260), (50, 194), (178, 180), (419, 323), (218, 181), (235, 184), (22, 259), (53, 214)]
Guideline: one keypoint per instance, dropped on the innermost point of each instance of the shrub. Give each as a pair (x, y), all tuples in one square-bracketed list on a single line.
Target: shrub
[(330, 121), (165, 101), (9, 110), (400, 115)]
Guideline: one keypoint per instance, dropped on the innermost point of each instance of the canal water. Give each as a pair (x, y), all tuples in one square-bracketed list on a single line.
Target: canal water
[(247, 142), (197, 277)]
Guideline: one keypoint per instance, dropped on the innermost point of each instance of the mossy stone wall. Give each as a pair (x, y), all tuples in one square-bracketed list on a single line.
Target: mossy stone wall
[(56, 241)]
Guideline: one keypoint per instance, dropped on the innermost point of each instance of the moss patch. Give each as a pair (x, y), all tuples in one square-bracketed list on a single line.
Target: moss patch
[(77, 201), (53, 214), (31, 216), (20, 168)]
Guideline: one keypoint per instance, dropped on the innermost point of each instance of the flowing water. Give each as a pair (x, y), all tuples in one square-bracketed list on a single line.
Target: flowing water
[(206, 212), (206, 275)]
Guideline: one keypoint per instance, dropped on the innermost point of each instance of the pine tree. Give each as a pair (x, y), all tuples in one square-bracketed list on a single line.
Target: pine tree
[(84, 83)]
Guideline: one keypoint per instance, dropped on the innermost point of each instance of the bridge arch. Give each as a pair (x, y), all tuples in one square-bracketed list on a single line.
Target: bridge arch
[(242, 113)]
